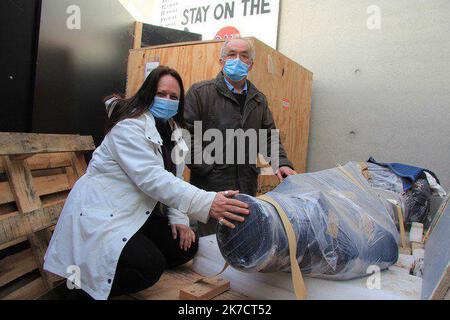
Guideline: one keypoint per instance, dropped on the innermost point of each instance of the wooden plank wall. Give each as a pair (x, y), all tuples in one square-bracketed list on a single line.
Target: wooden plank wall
[(286, 84)]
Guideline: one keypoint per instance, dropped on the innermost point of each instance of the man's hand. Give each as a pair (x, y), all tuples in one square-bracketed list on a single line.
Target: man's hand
[(187, 235), (284, 172)]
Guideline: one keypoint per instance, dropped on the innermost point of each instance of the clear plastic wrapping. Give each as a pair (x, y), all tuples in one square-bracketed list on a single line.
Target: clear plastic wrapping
[(341, 225), (415, 201), (383, 178)]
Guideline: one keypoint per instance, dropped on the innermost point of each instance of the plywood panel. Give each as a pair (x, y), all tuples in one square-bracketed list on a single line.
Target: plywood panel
[(195, 62), (286, 84)]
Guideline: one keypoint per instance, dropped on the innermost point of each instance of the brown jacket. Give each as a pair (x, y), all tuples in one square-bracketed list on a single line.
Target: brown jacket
[(215, 105)]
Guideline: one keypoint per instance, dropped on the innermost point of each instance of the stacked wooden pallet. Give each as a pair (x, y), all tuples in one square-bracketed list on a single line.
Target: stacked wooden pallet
[(37, 171)]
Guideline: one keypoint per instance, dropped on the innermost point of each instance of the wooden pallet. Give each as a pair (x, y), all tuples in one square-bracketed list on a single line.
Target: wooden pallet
[(37, 171)]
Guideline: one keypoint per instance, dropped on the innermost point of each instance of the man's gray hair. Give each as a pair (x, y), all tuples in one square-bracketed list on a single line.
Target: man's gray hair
[(224, 50)]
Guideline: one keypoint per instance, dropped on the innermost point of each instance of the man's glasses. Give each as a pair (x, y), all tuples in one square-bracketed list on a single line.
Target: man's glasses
[(245, 57)]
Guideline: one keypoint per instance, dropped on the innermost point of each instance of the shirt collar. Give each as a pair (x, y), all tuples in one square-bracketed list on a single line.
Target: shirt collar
[(232, 89)]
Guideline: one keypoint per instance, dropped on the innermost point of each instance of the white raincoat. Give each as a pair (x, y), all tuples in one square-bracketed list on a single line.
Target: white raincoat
[(108, 205)]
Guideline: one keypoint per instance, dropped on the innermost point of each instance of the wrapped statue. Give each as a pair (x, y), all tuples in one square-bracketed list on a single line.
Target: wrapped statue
[(342, 226)]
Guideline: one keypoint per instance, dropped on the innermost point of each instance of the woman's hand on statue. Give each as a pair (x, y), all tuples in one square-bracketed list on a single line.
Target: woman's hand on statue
[(225, 209)]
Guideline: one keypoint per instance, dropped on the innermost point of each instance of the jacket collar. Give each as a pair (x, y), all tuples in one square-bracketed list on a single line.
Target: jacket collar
[(150, 129), (220, 84), (233, 89), (153, 135)]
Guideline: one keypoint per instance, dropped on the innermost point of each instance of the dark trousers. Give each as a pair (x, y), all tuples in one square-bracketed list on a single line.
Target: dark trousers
[(147, 254)]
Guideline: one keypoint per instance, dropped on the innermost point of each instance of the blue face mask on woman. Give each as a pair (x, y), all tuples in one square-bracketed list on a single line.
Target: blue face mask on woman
[(164, 109), (235, 69)]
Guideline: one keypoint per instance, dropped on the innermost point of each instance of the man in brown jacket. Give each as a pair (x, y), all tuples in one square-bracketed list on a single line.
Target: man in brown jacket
[(230, 103)]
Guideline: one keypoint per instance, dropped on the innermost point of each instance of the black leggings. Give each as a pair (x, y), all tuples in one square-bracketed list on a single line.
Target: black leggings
[(147, 254)]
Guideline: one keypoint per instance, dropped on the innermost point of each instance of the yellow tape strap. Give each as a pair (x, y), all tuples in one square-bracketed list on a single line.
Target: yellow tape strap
[(402, 225), (399, 209), (297, 278), (349, 175)]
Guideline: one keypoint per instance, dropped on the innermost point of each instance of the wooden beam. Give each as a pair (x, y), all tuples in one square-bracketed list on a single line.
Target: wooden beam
[(16, 225), (77, 169), (21, 183), (16, 265), (78, 163), (27, 200), (138, 35), (12, 243), (49, 161), (6, 194), (31, 143), (46, 161), (51, 184), (30, 291), (71, 176)]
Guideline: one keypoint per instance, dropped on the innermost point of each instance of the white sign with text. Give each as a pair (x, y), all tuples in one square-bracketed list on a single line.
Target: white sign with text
[(219, 19)]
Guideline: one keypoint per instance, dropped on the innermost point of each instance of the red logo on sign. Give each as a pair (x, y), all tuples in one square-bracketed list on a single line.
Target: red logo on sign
[(227, 33)]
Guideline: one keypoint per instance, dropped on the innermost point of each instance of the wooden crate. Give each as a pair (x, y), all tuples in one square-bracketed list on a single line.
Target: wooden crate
[(37, 172), (286, 84)]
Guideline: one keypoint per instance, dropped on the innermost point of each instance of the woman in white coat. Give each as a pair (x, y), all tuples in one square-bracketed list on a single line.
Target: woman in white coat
[(127, 219)]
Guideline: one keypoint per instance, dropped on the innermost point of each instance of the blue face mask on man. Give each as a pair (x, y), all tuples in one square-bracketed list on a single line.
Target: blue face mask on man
[(164, 109), (235, 69)]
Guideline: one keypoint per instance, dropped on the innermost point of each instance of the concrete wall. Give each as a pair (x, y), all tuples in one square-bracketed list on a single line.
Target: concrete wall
[(376, 92)]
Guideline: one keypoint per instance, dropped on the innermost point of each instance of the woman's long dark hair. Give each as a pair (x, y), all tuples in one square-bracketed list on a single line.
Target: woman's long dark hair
[(138, 104)]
